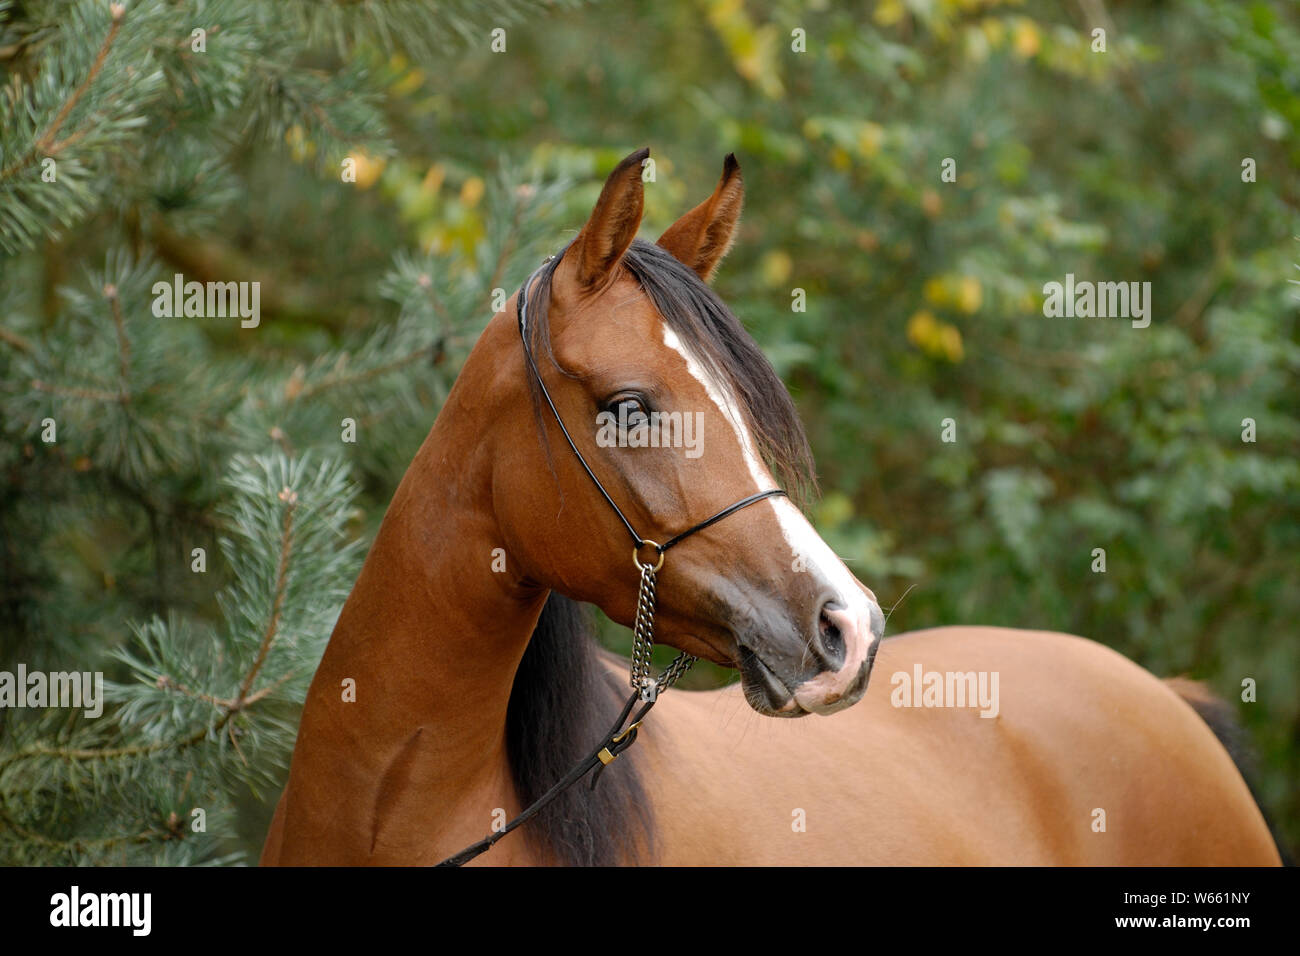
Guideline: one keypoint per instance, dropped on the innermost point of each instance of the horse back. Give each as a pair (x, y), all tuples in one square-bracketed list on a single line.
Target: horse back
[(1084, 758)]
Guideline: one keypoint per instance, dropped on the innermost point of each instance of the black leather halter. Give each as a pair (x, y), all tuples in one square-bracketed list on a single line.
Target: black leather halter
[(647, 689)]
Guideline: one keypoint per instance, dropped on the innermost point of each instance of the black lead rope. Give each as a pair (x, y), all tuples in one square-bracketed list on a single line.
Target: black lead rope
[(613, 744), (647, 689)]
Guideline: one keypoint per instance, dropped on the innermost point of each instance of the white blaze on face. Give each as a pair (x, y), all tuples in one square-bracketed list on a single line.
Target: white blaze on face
[(800, 535)]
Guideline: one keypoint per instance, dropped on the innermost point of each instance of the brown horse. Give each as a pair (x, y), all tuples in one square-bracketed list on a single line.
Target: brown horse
[(460, 681)]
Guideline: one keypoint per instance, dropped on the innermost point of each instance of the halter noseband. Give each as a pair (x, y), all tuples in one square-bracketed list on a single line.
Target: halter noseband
[(646, 689)]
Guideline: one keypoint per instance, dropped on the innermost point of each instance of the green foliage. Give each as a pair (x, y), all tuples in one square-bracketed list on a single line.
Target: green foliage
[(924, 302), (204, 711), (101, 93)]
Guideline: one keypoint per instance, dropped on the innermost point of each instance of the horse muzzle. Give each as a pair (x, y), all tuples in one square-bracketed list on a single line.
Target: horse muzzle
[(830, 672)]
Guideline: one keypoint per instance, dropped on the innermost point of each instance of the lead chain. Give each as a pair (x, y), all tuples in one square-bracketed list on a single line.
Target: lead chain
[(643, 640)]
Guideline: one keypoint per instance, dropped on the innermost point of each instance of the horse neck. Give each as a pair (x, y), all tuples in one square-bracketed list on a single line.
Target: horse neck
[(432, 636)]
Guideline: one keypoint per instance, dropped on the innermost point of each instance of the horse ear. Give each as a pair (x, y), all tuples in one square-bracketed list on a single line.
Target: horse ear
[(613, 223), (702, 237)]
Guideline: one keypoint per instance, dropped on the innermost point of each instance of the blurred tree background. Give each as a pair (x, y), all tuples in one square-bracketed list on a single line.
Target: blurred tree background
[(474, 138)]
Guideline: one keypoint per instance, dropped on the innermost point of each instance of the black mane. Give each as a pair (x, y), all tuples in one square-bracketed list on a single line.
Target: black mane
[(563, 697)]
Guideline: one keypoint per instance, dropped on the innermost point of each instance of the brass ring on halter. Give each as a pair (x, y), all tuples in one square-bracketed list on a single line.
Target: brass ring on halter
[(636, 555)]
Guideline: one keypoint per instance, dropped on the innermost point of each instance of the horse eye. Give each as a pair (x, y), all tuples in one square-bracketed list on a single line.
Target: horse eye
[(629, 409)]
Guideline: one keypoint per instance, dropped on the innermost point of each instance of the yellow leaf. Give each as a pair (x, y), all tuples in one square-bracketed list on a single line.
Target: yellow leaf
[(936, 290), (408, 83), (432, 181), (936, 339), (433, 238), (1025, 38), (472, 191), (776, 267), (835, 509), (970, 295), (920, 328), (367, 169), (889, 12), (995, 30), (950, 343), (870, 136)]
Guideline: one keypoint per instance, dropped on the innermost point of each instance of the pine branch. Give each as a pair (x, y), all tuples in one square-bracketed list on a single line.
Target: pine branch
[(306, 392), (85, 106), (290, 498), (73, 391), (45, 142), (307, 505), (14, 340), (123, 343)]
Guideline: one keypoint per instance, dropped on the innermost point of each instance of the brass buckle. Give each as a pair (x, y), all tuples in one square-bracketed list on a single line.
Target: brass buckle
[(623, 733), (606, 755), (636, 555)]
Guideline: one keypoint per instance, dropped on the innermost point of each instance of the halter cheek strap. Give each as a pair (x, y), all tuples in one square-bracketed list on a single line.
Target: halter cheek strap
[(638, 542), (646, 688)]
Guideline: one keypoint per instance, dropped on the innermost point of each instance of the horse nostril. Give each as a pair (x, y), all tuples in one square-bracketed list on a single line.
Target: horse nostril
[(830, 637)]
